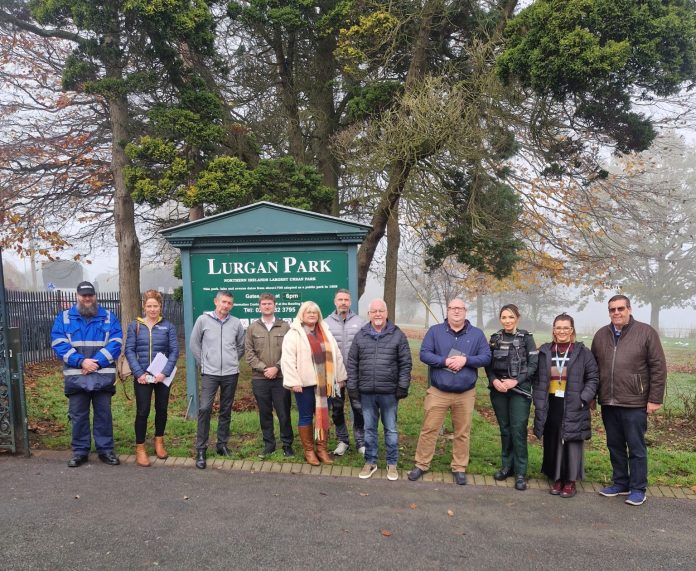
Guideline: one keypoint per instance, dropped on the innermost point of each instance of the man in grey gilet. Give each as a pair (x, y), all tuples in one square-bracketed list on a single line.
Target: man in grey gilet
[(344, 325)]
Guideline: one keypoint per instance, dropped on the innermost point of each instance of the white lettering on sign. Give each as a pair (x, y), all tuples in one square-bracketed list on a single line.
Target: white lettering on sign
[(308, 267), (290, 264), (245, 268)]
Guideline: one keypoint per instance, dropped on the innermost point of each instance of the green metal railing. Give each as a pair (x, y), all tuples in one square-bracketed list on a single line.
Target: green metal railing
[(14, 433)]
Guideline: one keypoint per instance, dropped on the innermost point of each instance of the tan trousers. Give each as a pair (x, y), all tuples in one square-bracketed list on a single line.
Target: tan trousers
[(436, 404)]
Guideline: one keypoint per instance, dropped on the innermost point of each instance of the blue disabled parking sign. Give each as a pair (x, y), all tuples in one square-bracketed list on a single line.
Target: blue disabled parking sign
[(51, 286)]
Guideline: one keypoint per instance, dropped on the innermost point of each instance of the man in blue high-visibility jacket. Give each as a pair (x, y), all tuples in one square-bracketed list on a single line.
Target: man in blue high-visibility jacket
[(88, 339)]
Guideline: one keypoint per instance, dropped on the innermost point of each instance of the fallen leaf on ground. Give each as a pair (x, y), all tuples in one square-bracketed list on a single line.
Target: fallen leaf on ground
[(364, 494), (413, 506), (450, 513), (386, 533)]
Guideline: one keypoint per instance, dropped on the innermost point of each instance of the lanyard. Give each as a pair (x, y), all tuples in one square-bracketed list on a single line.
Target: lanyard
[(561, 364)]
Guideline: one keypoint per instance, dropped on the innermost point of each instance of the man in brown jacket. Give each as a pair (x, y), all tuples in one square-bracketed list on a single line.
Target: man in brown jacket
[(263, 344), (632, 377)]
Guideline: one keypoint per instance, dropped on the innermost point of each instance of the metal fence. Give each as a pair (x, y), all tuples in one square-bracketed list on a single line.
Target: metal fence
[(34, 312)]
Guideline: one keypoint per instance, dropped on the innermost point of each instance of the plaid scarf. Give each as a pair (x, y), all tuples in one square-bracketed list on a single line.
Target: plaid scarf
[(322, 356)]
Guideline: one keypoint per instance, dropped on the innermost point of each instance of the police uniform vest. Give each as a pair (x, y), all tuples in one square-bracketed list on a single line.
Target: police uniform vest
[(509, 358)]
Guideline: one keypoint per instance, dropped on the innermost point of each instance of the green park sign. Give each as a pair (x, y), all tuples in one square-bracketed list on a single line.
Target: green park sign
[(292, 276), (264, 247)]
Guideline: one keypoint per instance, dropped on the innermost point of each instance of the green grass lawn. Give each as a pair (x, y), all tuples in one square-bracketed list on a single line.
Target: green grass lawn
[(670, 464)]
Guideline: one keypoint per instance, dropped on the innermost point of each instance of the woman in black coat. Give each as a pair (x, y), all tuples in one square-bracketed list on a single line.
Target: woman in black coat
[(566, 384), (146, 337)]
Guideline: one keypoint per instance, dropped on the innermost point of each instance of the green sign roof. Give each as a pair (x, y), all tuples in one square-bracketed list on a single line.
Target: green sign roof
[(265, 222)]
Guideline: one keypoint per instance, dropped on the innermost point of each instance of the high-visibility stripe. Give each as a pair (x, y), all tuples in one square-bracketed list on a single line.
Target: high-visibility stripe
[(67, 355), (59, 341), (71, 372), (106, 354), (87, 343), (105, 371)]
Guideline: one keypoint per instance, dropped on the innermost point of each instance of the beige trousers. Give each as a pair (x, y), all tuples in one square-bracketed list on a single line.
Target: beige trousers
[(436, 404)]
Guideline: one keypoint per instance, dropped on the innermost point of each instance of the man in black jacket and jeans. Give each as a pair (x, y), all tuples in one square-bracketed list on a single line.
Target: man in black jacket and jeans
[(379, 373)]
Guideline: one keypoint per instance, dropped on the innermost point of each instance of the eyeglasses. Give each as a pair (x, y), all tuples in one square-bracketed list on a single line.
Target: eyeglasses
[(377, 311), (456, 308), (562, 328), (617, 309)]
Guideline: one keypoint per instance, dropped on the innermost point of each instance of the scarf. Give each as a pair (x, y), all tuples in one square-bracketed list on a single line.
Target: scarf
[(322, 356)]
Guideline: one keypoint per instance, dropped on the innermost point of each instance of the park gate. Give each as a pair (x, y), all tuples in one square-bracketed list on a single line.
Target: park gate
[(13, 413)]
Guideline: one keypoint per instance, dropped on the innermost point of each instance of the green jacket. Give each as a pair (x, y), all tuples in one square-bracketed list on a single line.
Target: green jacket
[(263, 348)]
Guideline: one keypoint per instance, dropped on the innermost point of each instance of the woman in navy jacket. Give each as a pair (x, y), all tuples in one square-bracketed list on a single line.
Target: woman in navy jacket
[(146, 337)]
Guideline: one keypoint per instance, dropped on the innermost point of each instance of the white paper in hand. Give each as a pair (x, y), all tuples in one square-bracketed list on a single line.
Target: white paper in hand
[(157, 366)]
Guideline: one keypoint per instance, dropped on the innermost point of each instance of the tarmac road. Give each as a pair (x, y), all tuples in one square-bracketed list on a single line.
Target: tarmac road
[(125, 517)]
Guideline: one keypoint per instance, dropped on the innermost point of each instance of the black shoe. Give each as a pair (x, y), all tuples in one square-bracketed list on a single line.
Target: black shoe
[(416, 473), (200, 460), (266, 452), (502, 474), (459, 478), (520, 483), (222, 450), (76, 461), (109, 458), (288, 451)]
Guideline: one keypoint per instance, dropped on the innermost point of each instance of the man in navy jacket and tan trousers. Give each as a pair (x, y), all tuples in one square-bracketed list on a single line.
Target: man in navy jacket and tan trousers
[(453, 351)]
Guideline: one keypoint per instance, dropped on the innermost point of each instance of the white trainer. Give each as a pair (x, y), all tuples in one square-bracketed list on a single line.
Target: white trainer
[(362, 450), (341, 449)]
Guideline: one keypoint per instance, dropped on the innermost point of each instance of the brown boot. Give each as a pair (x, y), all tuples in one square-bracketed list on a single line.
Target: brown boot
[(160, 450), (322, 452), (307, 438), (141, 457)]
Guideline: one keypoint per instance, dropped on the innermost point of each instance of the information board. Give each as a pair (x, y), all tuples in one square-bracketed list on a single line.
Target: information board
[(293, 277)]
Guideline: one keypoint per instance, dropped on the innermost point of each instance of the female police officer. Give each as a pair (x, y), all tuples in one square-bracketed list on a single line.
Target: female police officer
[(510, 375)]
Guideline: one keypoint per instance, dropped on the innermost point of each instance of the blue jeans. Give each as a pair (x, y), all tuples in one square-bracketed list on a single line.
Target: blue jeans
[(625, 428), (373, 405), (306, 403)]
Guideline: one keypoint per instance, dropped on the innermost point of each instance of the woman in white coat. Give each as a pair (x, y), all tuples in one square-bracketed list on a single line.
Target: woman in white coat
[(312, 369)]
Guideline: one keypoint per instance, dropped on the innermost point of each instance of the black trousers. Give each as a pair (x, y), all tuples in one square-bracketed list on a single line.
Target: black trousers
[(209, 386), (337, 405), (143, 398), (270, 394)]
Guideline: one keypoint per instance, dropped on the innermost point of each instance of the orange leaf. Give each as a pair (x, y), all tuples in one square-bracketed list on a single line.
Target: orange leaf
[(386, 533)]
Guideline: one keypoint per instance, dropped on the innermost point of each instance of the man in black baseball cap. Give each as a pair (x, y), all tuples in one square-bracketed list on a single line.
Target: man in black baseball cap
[(88, 339), (86, 288)]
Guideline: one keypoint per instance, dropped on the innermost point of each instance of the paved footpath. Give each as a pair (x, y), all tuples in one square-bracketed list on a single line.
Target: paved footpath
[(251, 515)]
